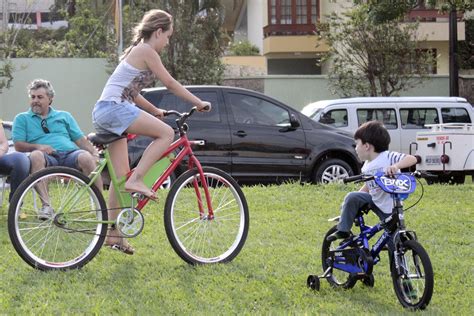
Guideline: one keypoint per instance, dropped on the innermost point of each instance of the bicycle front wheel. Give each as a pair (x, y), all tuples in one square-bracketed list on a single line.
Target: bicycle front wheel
[(56, 221), (197, 237), (412, 275)]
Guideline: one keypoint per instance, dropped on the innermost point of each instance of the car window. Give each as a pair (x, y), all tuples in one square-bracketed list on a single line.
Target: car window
[(212, 116), (387, 116), (169, 101), (248, 109), (455, 115), (335, 118), (418, 118)]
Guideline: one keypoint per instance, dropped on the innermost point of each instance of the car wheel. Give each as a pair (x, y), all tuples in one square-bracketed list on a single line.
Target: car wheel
[(168, 182), (332, 170)]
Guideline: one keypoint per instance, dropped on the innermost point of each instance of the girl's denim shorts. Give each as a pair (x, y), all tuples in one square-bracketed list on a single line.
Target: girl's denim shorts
[(112, 117)]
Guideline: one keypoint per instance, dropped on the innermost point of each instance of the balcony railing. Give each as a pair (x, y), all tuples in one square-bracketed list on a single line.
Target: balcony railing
[(429, 15), (289, 29)]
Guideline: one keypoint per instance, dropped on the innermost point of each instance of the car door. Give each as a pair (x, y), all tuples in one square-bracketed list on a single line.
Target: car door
[(210, 127), (264, 145)]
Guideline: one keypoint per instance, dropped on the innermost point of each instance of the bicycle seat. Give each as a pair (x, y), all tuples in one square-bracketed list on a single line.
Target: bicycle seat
[(103, 139)]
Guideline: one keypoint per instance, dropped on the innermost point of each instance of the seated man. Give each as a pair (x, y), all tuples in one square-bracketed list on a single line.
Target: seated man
[(53, 137), (16, 165)]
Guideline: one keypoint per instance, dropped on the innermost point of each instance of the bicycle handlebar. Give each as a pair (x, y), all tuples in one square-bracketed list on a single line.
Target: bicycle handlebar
[(366, 177), (183, 117), (358, 178)]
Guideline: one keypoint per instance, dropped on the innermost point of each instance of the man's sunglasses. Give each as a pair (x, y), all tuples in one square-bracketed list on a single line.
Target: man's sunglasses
[(44, 126)]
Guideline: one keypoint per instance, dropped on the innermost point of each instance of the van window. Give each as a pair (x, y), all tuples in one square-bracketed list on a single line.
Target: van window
[(418, 118), (335, 118), (387, 116), (455, 115)]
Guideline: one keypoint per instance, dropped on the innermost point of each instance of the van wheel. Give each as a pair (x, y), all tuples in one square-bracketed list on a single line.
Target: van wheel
[(332, 170)]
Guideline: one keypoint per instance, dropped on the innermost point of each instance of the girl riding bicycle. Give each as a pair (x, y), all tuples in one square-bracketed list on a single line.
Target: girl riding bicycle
[(121, 108), (372, 141)]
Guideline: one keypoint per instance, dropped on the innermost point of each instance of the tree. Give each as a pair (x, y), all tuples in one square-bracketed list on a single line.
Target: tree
[(466, 48), (6, 73), (193, 54), (384, 10), (381, 9), (374, 58)]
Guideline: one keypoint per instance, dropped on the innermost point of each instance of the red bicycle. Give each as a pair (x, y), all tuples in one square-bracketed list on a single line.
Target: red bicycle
[(206, 215)]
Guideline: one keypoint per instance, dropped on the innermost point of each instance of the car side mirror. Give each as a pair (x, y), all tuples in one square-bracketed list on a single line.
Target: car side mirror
[(294, 121)]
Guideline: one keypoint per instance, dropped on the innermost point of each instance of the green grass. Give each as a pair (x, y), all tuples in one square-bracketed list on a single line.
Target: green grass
[(268, 277)]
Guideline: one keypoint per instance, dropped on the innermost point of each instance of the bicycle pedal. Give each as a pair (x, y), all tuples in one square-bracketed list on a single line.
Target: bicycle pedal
[(137, 195)]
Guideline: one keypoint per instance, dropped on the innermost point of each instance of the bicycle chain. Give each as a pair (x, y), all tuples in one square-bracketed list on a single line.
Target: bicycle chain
[(84, 232)]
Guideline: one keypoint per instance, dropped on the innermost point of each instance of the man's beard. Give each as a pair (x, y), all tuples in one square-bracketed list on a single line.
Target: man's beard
[(37, 109)]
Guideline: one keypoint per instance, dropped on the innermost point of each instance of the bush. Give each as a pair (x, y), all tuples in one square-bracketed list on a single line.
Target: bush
[(244, 48)]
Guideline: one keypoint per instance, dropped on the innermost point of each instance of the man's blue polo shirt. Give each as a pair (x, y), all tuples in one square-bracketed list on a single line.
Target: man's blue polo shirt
[(63, 130)]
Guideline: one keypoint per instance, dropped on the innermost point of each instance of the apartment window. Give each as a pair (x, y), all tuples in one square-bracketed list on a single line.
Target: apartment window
[(285, 12), (293, 11), (272, 8)]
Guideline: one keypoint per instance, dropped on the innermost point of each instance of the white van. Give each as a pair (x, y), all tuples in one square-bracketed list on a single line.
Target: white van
[(402, 116)]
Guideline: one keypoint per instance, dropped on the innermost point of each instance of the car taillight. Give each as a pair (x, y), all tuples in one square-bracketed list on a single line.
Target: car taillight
[(444, 159)]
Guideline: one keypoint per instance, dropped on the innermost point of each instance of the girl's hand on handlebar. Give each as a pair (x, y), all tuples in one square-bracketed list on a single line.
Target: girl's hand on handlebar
[(159, 113), (204, 106)]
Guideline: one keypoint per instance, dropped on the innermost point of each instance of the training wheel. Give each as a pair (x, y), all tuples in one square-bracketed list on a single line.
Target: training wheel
[(313, 282)]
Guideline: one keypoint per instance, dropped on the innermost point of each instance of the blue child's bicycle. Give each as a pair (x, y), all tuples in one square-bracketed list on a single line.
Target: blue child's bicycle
[(345, 262)]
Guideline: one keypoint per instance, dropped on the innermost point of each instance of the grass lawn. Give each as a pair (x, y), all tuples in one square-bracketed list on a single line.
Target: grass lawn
[(287, 224)]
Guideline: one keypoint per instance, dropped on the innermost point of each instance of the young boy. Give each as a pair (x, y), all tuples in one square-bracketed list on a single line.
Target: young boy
[(372, 140)]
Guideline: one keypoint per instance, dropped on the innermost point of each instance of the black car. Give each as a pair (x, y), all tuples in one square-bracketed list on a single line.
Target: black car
[(257, 139)]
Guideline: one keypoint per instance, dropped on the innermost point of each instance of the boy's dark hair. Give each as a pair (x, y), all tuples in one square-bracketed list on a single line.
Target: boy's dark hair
[(374, 133)]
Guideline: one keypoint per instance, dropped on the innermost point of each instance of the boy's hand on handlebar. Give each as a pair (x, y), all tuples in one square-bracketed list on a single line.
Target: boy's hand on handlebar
[(204, 107), (392, 170)]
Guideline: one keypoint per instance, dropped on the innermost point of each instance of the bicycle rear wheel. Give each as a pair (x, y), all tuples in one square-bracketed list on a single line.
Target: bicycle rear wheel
[(196, 238), (70, 233), (412, 275), (338, 278)]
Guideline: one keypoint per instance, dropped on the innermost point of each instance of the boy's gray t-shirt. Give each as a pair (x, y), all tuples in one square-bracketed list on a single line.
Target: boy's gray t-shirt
[(384, 160)]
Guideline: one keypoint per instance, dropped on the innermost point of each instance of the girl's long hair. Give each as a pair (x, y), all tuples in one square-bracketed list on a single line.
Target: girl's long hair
[(151, 21)]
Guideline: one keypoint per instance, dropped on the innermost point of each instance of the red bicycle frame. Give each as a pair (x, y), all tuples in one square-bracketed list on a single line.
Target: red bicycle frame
[(186, 151)]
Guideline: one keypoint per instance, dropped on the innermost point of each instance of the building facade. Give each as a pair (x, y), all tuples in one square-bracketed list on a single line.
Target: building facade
[(285, 33)]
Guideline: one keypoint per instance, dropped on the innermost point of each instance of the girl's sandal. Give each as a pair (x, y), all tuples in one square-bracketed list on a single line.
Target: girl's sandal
[(120, 247)]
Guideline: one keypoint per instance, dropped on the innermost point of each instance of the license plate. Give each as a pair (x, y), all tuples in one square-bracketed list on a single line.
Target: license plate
[(433, 160)]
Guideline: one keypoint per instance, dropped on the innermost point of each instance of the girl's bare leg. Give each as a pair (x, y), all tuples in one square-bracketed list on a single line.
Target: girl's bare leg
[(163, 135), (119, 155)]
